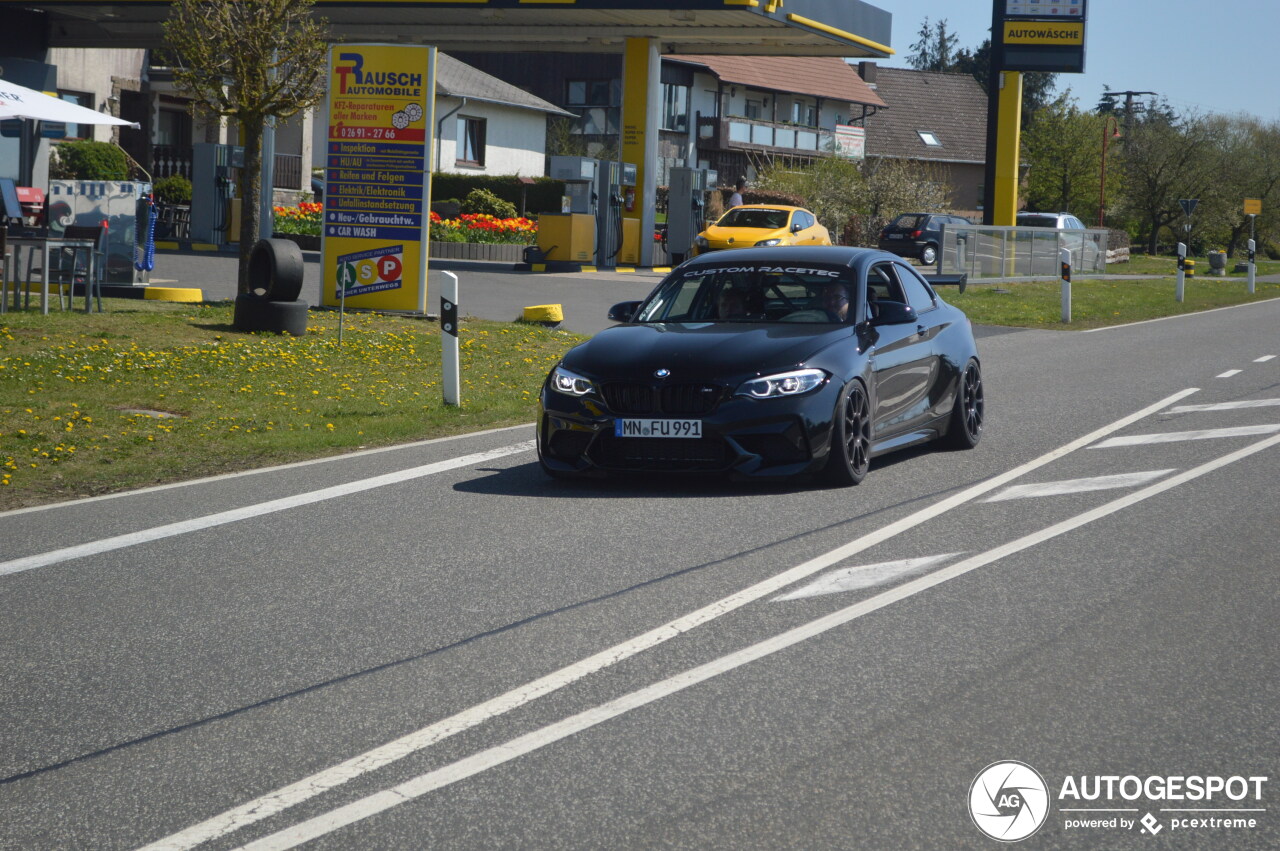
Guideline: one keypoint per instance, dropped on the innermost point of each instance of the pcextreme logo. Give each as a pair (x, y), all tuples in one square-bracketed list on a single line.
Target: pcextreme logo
[(353, 79)]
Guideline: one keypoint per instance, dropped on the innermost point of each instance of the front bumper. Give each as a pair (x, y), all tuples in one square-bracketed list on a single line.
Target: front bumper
[(768, 438)]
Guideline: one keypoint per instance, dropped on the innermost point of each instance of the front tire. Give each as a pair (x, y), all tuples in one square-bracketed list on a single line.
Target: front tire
[(850, 454), (968, 415)]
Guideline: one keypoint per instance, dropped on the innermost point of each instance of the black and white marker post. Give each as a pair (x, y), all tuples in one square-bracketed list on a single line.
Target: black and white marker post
[(1253, 264), (450, 376), (1065, 257), (1182, 270)]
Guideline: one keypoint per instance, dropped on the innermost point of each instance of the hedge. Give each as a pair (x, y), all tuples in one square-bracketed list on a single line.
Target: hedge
[(542, 196)]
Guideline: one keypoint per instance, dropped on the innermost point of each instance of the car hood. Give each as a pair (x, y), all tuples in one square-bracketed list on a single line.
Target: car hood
[(742, 237), (700, 351)]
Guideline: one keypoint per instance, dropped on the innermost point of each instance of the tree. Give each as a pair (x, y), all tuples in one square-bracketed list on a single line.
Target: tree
[(935, 49), (1064, 151), (251, 61), (1165, 159)]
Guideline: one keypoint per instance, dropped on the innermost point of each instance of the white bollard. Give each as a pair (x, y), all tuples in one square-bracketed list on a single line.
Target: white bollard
[(1182, 270), (451, 378), (1065, 257)]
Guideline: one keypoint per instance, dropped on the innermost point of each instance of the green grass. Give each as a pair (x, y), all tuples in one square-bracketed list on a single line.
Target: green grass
[(151, 392), (1143, 264), (1097, 303)]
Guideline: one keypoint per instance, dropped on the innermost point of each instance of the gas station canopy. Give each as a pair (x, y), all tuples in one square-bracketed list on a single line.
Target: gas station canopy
[(847, 28)]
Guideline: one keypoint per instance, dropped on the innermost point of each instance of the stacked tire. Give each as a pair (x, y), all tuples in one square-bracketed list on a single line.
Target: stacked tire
[(275, 282)]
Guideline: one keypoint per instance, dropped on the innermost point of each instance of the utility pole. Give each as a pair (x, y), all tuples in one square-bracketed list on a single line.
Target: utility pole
[(1128, 105)]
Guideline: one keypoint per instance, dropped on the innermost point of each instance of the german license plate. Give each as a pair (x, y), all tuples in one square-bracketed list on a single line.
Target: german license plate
[(895, 236), (657, 428)]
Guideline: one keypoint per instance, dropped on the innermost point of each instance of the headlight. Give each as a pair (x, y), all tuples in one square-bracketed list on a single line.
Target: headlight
[(700, 241), (783, 384), (768, 242), (570, 383)]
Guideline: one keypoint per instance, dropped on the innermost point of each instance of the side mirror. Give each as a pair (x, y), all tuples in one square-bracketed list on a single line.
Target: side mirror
[(623, 311), (893, 313), (797, 227)]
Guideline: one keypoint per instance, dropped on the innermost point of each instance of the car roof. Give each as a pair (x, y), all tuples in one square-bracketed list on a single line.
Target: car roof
[(766, 207), (837, 255)]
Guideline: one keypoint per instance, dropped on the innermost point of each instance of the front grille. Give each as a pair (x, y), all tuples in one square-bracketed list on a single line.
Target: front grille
[(662, 454), (675, 399)]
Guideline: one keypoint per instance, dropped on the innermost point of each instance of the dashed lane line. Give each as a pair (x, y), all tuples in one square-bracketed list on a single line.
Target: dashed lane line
[(1178, 436), (1093, 483), (1225, 406)]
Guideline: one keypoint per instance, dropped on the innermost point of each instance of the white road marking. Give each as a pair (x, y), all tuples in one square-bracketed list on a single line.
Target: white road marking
[(249, 512), (865, 576), (1228, 373), (1096, 483), (1225, 406), (1264, 359), (405, 792), (1177, 436), (328, 459), (1174, 316), (361, 764)]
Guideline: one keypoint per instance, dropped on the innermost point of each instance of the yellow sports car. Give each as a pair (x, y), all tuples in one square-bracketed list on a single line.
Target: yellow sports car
[(762, 224)]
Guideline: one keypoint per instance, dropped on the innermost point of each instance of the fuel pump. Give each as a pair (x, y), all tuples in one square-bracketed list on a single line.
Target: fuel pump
[(570, 235), (213, 186), (686, 209), (613, 181)]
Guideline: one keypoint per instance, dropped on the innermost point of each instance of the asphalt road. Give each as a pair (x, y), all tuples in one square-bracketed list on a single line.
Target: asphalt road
[(436, 647)]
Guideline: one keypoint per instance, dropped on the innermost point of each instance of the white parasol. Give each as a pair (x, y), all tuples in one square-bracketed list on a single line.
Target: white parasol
[(20, 102)]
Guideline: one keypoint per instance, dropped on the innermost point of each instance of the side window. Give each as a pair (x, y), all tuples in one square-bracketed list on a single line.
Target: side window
[(919, 295), (882, 284)]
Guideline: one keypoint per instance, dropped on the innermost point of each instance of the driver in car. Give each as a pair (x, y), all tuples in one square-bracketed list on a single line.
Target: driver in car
[(732, 305), (835, 301)]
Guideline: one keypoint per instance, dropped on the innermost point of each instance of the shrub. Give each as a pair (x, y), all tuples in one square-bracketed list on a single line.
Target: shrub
[(89, 161), (174, 189), (485, 203)]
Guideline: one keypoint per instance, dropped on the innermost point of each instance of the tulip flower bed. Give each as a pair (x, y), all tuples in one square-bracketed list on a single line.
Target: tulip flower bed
[(490, 230), (305, 219), (151, 392)]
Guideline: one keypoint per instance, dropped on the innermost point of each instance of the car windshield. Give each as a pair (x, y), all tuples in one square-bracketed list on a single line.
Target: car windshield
[(755, 293), (748, 218), (1034, 220)]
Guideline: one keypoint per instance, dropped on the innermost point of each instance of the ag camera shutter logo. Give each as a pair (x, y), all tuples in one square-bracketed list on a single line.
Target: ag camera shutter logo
[(1008, 801)]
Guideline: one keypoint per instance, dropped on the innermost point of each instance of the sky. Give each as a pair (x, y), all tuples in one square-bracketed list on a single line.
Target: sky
[(1207, 57)]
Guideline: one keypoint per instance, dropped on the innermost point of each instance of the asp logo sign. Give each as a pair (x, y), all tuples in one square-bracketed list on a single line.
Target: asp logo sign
[(1008, 801)]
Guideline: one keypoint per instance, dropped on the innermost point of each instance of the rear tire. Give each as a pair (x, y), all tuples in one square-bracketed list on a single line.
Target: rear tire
[(929, 255), (850, 454), (968, 415)]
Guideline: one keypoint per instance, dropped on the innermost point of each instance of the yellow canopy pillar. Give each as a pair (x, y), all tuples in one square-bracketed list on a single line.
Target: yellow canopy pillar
[(641, 69), (1008, 151)]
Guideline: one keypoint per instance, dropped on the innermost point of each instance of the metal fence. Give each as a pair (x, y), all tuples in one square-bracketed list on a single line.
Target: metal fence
[(1019, 253)]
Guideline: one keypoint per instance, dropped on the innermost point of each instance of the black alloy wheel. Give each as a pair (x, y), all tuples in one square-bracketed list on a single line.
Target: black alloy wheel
[(969, 413), (851, 438)]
